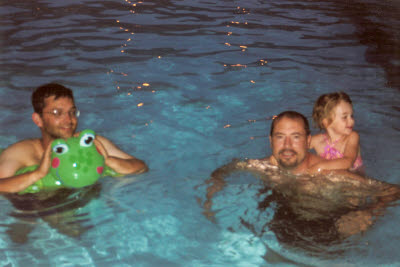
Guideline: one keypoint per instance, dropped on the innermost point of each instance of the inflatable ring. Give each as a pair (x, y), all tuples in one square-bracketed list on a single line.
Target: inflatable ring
[(75, 163)]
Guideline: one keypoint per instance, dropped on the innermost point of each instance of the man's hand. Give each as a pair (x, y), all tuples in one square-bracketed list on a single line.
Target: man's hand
[(11, 183), (117, 159), (44, 165), (101, 148)]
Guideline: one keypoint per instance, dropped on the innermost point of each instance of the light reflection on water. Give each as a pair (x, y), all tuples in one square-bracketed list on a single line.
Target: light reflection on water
[(163, 79)]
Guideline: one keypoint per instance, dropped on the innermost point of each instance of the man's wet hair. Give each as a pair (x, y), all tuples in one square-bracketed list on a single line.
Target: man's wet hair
[(47, 90), (294, 115)]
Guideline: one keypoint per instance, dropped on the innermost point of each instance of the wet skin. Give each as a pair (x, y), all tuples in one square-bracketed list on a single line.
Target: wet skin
[(76, 163), (289, 143)]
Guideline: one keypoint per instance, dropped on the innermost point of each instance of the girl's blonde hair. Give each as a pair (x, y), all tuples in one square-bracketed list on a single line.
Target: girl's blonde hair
[(323, 107)]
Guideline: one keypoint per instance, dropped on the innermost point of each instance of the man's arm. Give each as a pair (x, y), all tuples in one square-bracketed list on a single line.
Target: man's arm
[(11, 161), (117, 159), (359, 221), (217, 181), (380, 194)]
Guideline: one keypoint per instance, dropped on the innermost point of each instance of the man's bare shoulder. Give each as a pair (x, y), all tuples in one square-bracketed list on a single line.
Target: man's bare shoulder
[(28, 150), (25, 144), (19, 155)]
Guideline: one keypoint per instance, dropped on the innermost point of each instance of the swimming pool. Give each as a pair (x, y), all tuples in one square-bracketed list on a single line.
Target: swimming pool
[(187, 86)]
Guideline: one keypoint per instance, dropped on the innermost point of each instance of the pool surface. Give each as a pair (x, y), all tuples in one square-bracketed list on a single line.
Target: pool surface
[(187, 86)]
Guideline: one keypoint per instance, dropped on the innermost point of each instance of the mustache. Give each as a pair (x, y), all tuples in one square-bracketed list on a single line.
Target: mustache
[(287, 150)]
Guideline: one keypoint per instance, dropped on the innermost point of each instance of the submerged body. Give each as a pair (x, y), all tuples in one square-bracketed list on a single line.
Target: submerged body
[(332, 200), (324, 195), (61, 209)]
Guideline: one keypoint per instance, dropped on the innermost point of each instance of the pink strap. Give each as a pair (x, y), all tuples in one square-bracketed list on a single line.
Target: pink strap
[(330, 152)]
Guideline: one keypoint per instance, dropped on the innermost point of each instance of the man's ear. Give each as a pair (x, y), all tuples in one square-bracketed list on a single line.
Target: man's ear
[(270, 141), (309, 141), (37, 119)]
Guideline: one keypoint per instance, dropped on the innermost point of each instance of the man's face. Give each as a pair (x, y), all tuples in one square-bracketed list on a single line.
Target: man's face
[(59, 117), (289, 143)]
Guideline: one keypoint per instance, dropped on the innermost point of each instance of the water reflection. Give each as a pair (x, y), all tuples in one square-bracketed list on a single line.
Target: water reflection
[(314, 213), (211, 65), (60, 209)]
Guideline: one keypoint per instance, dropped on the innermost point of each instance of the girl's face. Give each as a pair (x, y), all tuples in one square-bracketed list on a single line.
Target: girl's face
[(343, 120)]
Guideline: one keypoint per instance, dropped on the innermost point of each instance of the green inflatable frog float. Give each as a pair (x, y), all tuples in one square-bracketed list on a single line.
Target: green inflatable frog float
[(75, 163)]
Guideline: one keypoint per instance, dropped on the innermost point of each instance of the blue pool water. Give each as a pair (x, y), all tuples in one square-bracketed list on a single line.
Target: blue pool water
[(187, 86)]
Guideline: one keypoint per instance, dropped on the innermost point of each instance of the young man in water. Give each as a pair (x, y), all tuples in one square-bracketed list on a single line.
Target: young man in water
[(56, 115), (289, 139)]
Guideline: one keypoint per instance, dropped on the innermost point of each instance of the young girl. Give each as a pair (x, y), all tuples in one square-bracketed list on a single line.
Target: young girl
[(339, 143)]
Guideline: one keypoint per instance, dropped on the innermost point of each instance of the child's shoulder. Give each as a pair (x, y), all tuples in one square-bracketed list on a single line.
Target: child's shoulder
[(317, 140), (353, 137), (354, 134), (318, 137)]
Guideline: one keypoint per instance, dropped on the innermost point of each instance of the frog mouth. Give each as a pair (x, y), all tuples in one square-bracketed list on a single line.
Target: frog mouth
[(59, 181), (99, 170), (59, 178)]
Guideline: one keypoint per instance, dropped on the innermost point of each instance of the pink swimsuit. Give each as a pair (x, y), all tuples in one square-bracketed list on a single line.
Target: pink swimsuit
[(330, 152)]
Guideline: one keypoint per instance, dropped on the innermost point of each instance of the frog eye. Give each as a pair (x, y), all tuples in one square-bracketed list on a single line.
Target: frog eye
[(60, 149), (87, 139)]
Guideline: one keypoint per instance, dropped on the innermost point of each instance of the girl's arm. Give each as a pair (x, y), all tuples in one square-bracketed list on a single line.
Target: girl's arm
[(349, 156)]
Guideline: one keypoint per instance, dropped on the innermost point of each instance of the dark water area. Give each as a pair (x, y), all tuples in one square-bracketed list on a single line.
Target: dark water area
[(162, 79), (60, 209), (378, 27)]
